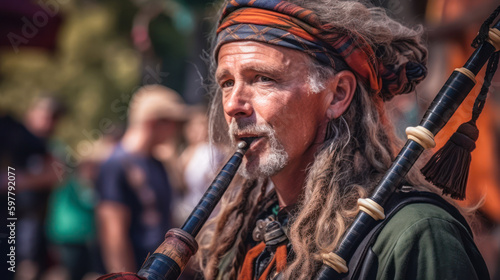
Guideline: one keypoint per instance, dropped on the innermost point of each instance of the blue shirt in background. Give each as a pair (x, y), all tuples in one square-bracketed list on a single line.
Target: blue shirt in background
[(141, 184)]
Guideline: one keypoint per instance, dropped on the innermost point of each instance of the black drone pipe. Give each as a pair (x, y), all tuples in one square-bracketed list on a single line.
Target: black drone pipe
[(170, 258), (451, 95)]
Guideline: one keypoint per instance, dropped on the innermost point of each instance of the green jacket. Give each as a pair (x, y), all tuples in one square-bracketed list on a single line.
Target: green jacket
[(423, 241)]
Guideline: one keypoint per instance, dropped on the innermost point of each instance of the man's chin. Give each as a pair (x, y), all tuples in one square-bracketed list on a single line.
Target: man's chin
[(250, 170), (254, 170), (263, 163)]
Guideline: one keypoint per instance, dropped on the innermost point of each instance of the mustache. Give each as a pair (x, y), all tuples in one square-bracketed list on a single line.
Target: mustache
[(238, 128)]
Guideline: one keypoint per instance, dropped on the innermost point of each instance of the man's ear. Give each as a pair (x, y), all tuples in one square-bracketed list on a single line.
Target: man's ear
[(342, 86)]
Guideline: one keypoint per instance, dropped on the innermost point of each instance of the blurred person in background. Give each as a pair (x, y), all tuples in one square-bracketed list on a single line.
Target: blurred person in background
[(27, 149), (135, 195), (198, 161), (27, 155), (198, 166), (70, 225), (25, 146)]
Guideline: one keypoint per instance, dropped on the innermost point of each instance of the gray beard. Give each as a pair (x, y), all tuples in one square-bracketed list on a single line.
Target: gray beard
[(255, 167)]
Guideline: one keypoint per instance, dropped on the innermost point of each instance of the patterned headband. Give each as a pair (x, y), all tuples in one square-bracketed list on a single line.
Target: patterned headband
[(285, 24)]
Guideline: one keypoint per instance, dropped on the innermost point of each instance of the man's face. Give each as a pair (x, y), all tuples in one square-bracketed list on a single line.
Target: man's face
[(42, 121), (265, 94)]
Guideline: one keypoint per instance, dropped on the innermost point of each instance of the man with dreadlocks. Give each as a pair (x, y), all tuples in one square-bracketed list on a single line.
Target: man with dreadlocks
[(305, 82), (308, 81)]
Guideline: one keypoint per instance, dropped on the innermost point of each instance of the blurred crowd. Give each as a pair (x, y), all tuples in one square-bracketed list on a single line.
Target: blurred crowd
[(107, 209), (104, 206)]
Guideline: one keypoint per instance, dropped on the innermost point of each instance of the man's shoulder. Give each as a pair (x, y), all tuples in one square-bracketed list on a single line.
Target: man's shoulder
[(417, 212), (415, 219), (426, 233), (113, 168)]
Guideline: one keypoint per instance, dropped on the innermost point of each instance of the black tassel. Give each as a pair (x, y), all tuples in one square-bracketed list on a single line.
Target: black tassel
[(448, 168)]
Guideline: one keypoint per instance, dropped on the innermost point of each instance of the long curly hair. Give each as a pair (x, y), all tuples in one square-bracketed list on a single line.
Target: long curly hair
[(358, 148)]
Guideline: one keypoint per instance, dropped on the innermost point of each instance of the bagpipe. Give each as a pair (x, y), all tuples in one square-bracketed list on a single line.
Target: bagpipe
[(451, 177), (171, 257)]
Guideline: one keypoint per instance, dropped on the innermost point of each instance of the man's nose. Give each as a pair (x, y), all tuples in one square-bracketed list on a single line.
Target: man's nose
[(238, 104)]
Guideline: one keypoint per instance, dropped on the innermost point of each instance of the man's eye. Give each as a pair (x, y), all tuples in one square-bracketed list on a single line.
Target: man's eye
[(228, 83), (264, 79)]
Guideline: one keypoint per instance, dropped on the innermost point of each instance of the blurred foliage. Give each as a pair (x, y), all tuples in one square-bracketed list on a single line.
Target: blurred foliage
[(94, 66)]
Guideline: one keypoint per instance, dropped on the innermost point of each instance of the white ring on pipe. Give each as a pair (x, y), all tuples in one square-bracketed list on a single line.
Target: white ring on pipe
[(422, 136), (371, 208), (335, 261)]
